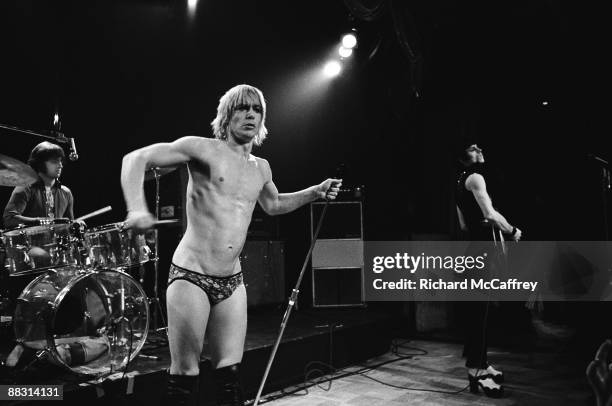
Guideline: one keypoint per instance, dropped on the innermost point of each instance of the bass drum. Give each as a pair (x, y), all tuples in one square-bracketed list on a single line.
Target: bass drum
[(5, 303), (88, 321)]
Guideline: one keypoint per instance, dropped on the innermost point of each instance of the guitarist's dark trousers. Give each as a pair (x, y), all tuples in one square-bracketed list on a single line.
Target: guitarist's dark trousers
[(474, 315)]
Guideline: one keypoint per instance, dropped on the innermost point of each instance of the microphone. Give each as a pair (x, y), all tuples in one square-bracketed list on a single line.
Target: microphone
[(73, 155), (340, 171), (60, 137)]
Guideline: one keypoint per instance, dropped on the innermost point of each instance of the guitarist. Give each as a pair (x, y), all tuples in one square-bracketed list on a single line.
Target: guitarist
[(480, 220)]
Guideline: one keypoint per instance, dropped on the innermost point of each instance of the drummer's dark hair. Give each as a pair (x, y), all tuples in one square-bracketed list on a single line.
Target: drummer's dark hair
[(44, 152)]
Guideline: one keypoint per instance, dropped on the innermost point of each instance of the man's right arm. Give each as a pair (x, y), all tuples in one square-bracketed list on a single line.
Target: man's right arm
[(476, 184), (13, 212), (137, 162)]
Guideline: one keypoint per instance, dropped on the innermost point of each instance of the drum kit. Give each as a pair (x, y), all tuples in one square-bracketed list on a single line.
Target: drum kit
[(80, 308)]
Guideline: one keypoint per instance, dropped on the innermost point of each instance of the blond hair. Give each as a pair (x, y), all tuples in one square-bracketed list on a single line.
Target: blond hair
[(227, 105)]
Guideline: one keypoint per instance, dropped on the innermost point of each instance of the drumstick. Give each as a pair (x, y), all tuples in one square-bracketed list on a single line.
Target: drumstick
[(165, 222), (156, 223), (94, 213)]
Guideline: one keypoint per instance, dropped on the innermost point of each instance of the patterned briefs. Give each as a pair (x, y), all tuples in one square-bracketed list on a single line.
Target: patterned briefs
[(217, 288)]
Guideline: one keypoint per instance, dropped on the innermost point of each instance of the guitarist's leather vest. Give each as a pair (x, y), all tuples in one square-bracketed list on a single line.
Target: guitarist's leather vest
[(478, 229)]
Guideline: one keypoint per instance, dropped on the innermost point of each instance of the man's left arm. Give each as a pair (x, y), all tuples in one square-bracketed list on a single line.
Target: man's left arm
[(70, 210), (273, 202)]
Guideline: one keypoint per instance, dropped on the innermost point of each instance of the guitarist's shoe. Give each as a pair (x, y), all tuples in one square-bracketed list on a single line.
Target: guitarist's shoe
[(486, 383), (497, 376)]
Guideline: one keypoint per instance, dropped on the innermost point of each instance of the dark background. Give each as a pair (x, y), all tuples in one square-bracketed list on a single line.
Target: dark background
[(124, 74)]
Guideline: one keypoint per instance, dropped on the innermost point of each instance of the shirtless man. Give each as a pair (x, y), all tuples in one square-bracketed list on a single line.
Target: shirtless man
[(205, 286)]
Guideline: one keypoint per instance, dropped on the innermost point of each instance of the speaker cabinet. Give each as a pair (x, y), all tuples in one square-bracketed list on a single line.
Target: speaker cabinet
[(340, 253), (343, 220), (263, 265), (337, 287), (337, 256)]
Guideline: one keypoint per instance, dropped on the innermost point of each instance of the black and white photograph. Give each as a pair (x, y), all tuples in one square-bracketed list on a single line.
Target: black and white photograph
[(317, 203)]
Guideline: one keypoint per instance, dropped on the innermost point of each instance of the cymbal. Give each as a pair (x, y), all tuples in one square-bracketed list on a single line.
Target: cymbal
[(15, 173), (159, 172)]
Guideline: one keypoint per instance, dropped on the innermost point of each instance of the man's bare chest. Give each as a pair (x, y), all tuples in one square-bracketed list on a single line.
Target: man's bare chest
[(239, 179)]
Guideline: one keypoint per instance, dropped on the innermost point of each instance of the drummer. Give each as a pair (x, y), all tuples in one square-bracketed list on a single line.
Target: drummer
[(45, 199)]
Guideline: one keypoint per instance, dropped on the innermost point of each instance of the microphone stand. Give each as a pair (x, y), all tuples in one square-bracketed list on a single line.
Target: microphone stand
[(606, 186), (292, 301), (155, 299), (58, 137)]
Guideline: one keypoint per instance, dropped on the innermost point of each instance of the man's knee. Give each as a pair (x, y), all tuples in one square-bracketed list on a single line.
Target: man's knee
[(228, 360), (183, 368)]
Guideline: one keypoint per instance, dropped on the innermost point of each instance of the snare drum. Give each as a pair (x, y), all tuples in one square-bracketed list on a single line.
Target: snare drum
[(112, 246), (104, 313), (38, 248)]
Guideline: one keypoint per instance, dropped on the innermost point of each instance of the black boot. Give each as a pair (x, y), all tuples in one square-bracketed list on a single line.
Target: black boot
[(227, 386), (180, 390)]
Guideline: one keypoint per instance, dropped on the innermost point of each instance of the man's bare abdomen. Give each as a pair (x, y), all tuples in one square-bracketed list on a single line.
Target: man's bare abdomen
[(220, 202), (212, 249)]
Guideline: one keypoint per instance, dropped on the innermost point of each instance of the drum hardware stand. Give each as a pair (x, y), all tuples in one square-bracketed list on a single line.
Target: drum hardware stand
[(292, 302), (117, 322), (40, 354), (155, 299)]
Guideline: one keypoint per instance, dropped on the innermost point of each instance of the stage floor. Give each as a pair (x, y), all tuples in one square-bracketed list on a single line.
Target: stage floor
[(538, 379), (338, 336), (348, 339)]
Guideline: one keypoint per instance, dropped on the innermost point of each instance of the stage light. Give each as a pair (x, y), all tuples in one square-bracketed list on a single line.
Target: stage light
[(544, 103), (345, 52), (191, 4), (332, 68), (349, 40)]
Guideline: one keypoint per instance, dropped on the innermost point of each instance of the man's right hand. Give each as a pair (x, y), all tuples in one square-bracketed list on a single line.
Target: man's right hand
[(517, 235), (139, 220)]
